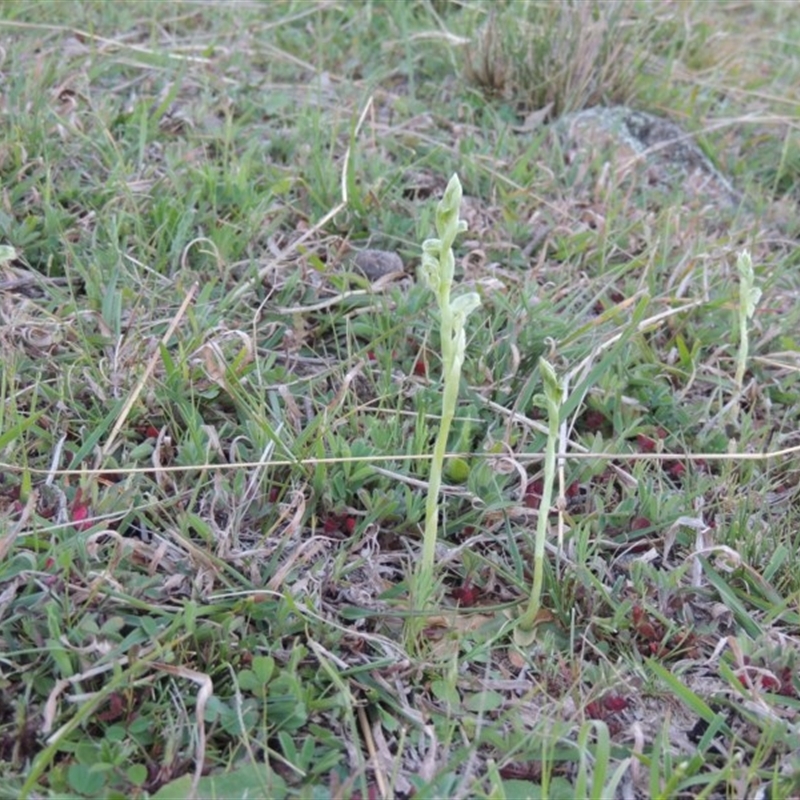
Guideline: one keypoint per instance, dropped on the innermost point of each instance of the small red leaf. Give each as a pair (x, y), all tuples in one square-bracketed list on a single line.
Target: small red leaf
[(594, 420), (466, 595), (615, 703), (676, 469), (594, 710), (80, 513), (533, 494), (646, 444), (331, 525), (770, 683)]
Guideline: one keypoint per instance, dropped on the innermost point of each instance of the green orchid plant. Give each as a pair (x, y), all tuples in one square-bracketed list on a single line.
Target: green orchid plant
[(552, 400), (438, 270), (749, 295)]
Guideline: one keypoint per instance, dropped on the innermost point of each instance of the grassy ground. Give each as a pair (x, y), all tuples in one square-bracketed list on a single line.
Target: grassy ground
[(215, 431)]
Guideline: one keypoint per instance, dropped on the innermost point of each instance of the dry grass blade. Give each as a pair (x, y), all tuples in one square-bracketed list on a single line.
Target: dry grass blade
[(204, 694)]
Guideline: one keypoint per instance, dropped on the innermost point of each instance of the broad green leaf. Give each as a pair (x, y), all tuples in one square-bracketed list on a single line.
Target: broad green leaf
[(249, 781)]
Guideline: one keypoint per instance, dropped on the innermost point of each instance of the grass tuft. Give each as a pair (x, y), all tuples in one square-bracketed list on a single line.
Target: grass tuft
[(555, 58)]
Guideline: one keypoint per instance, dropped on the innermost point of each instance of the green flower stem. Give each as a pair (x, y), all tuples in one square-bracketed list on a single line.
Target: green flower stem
[(449, 400), (749, 295), (432, 510), (438, 270), (552, 400)]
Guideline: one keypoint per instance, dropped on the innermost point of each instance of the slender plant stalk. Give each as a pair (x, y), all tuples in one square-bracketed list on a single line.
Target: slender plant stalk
[(434, 487), (438, 268), (552, 401), (749, 296)]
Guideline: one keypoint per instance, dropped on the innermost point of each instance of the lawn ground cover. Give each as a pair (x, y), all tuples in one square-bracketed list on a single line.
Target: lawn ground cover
[(221, 384)]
